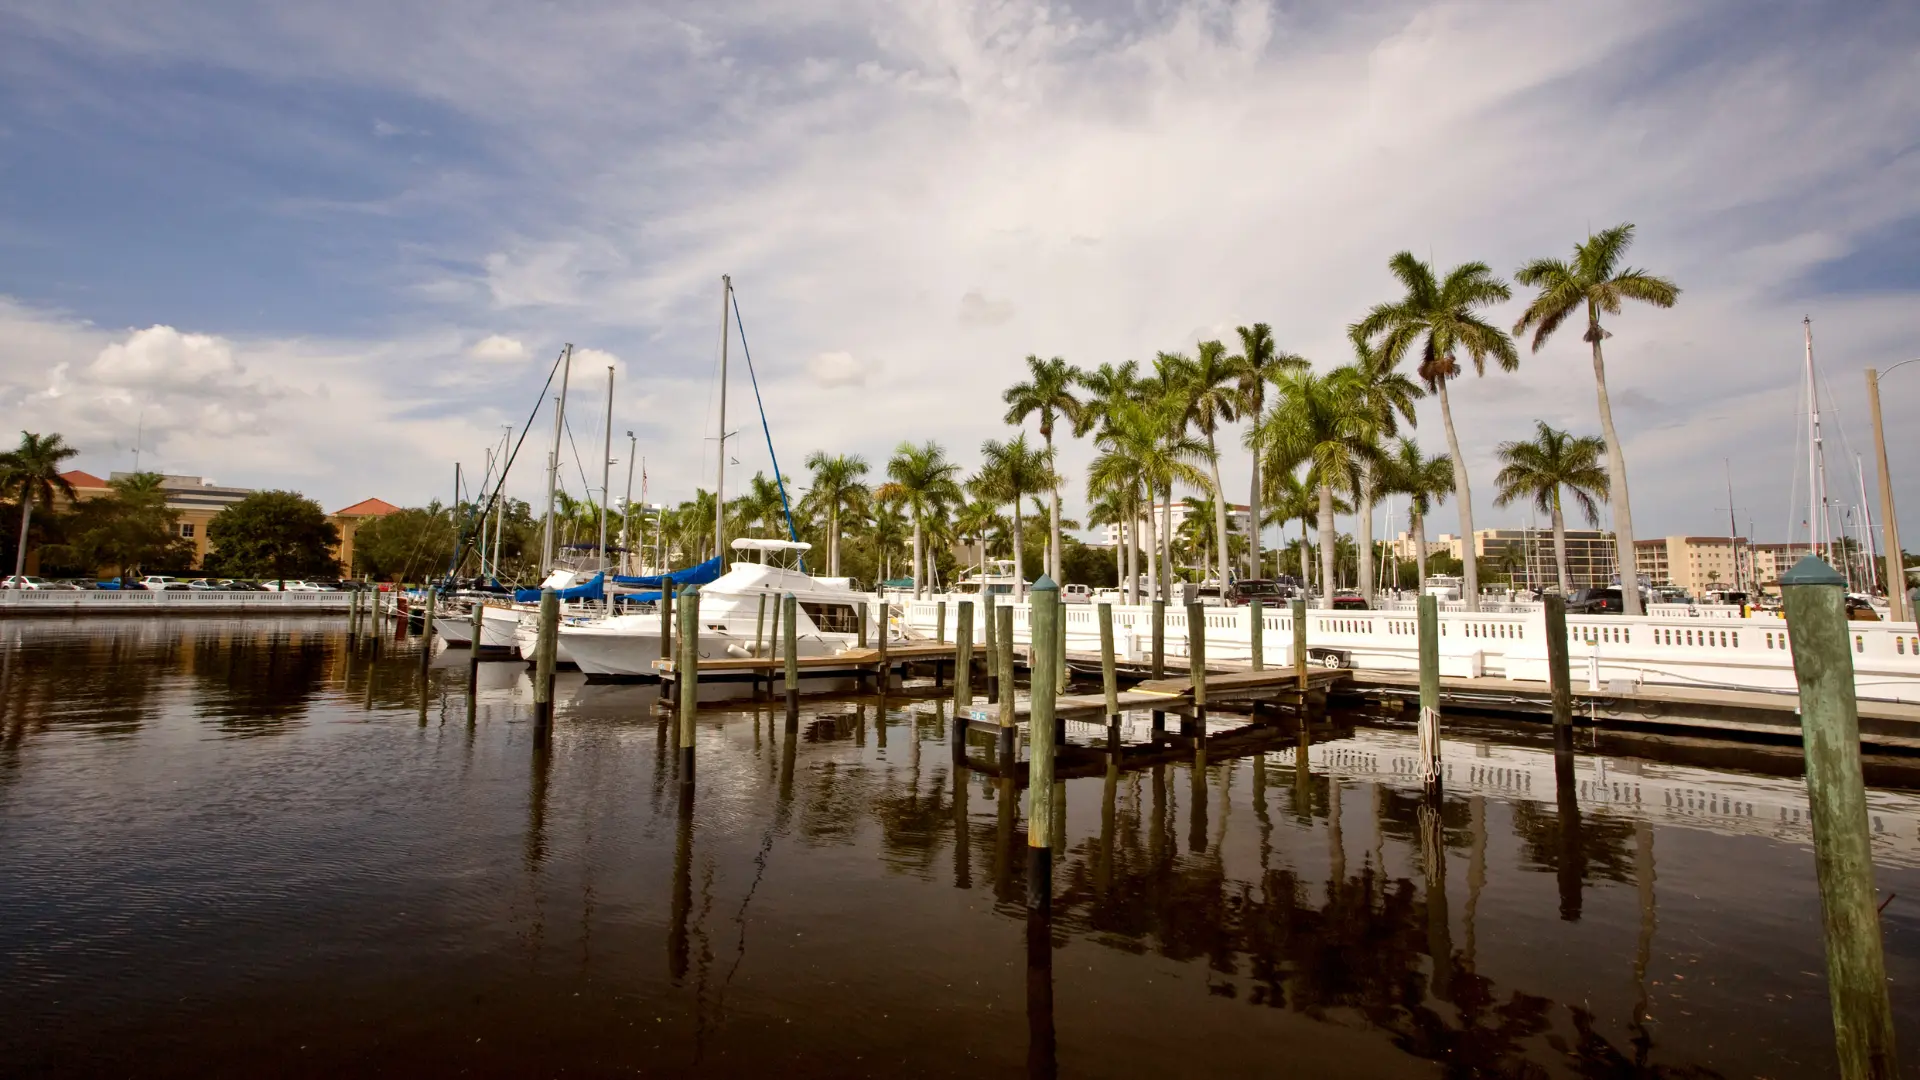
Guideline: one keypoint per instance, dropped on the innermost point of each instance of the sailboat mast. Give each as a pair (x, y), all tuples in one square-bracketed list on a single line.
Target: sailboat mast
[(1733, 527), (1870, 570), (720, 477), (1815, 493), (553, 459), (606, 468), (626, 507), (500, 508)]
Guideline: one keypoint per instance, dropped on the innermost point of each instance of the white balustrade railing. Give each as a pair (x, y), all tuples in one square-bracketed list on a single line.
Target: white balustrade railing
[(111, 601), (1712, 651)]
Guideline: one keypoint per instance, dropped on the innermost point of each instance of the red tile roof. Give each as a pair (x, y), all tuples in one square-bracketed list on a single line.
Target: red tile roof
[(82, 479), (368, 508)]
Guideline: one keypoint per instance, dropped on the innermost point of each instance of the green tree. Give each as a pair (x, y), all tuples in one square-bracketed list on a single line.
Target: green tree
[(131, 530), (1258, 363), (1288, 499), (1595, 281), (1110, 389), (1048, 391), (1437, 316), (836, 489), (273, 534), (1425, 481), (1147, 443), (922, 481), (1320, 422), (31, 472), (1384, 398), (406, 545), (1009, 472), (1539, 470), (1213, 399)]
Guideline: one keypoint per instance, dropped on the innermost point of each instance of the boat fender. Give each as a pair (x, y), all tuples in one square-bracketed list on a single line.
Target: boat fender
[(738, 651)]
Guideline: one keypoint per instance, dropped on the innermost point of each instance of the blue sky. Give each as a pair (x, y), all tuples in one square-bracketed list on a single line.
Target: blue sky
[(334, 247)]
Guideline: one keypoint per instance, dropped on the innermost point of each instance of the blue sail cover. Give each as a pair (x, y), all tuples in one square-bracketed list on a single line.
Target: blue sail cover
[(595, 589)]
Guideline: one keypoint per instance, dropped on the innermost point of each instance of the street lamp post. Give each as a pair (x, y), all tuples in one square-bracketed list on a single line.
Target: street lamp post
[(1897, 605)]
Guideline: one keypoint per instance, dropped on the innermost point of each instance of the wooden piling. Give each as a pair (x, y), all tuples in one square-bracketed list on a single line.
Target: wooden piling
[(1109, 677), (686, 669), (1559, 668), (760, 626), (790, 617), (990, 633), (963, 658), (882, 630), (1257, 627), (940, 622), (426, 628), (1299, 615), (543, 656), (1197, 657), (1009, 691), (479, 620), (1822, 650), (1430, 689), (667, 649), (1043, 676), (1065, 679), (860, 625), (1160, 639)]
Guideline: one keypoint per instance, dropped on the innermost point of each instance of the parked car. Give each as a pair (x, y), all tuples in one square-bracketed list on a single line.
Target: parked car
[(121, 584), (1596, 602), (1264, 590), (291, 585), (163, 583), (1350, 602), (1076, 594), (23, 581)]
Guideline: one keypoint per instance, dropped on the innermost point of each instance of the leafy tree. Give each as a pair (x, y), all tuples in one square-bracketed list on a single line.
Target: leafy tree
[(131, 530), (1258, 363), (273, 534), (1320, 421), (405, 545), (921, 480), (1213, 399), (31, 472), (1049, 392), (1538, 471), (1384, 398), (1438, 316), (1011, 471), (1595, 281), (1424, 481), (836, 489)]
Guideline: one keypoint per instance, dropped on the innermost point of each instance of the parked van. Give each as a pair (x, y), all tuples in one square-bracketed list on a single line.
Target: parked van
[(1076, 594)]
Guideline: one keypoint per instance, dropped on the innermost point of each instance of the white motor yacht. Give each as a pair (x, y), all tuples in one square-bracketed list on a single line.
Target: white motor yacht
[(731, 617)]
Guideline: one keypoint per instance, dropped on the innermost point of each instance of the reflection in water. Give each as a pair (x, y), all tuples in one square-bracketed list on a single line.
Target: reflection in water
[(164, 888)]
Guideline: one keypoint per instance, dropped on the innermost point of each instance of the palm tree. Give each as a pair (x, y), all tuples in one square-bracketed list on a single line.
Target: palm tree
[(1111, 387), (1384, 397), (1258, 363), (887, 534), (1424, 481), (1213, 398), (760, 508), (1198, 531), (979, 521), (923, 480), (1320, 421), (32, 472), (1048, 392), (834, 490), (1595, 280), (1171, 387), (1151, 443), (1009, 472), (1110, 507), (1290, 499), (1438, 316), (1537, 471), (1118, 476)]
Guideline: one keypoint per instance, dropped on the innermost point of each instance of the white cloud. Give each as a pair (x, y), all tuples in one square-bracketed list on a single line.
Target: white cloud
[(840, 369), (498, 348)]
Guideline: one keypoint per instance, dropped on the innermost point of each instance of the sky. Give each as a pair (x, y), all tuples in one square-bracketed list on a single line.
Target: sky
[(337, 247)]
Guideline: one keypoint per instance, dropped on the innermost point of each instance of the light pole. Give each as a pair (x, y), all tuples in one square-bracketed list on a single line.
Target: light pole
[(1896, 562), (626, 505)]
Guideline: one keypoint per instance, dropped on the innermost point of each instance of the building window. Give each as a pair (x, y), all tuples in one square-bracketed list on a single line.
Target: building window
[(186, 528)]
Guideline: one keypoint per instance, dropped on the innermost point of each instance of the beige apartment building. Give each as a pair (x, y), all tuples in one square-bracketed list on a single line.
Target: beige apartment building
[(1527, 554), (1701, 563)]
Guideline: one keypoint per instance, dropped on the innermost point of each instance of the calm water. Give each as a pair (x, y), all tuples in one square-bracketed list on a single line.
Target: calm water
[(233, 848)]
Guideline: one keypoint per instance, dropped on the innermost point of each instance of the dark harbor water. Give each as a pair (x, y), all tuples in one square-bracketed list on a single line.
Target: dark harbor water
[(233, 848)]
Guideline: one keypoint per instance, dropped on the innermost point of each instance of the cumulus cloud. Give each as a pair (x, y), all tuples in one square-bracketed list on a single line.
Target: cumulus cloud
[(839, 369), (498, 348), (163, 357)]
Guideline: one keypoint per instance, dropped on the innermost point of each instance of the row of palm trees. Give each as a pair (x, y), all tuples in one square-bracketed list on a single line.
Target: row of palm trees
[(1319, 442)]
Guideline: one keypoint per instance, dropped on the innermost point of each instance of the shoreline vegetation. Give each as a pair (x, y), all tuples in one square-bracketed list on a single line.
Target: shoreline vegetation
[(1319, 443)]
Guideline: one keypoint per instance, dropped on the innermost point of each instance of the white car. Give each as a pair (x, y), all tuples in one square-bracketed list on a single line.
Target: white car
[(1076, 594), (291, 585), (161, 583), (24, 581)]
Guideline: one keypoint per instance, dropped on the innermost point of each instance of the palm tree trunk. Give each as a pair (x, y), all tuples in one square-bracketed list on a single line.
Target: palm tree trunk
[(1560, 545), (1153, 551), (833, 541), (1306, 558), (1133, 550), (1420, 548), (1463, 497), (919, 579), (26, 518), (1326, 545), (1616, 483), (1120, 555), (1253, 511), (1053, 515), (1364, 532), (1219, 507), (1019, 557), (1166, 545)]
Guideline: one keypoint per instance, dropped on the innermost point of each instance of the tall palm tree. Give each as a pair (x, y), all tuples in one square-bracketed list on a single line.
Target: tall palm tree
[(1198, 532), (1213, 399), (1384, 397), (1596, 281), (979, 521), (1119, 476), (1319, 421), (1171, 387), (1049, 392), (836, 489), (1009, 472), (1538, 470), (1151, 438), (1109, 388), (1110, 507), (924, 484), (1425, 481), (888, 534), (1438, 316), (31, 472), (1258, 363), (760, 508), (1288, 499)]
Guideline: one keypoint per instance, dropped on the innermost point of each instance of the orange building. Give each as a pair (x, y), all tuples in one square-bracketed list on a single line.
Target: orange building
[(348, 521)]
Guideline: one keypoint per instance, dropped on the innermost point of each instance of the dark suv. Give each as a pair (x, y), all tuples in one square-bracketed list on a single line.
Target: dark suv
[(1596, 602)]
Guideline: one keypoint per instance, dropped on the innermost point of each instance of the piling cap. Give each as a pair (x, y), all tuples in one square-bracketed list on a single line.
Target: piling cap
[(1812, 570), (1043, 583)]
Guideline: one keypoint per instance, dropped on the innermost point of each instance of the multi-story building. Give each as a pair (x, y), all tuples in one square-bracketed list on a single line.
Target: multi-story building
[(1406, 550), (1699, 564), (350, 520), (1237, 517), (1529, 556)]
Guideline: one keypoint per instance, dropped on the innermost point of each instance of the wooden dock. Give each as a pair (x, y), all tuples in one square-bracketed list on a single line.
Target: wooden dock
[(1229, 691), (852, 662)]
